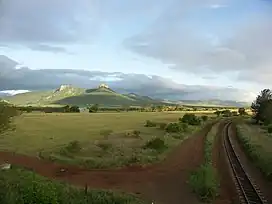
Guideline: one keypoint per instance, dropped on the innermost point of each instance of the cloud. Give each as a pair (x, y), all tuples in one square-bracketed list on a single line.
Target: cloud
[(31, 22), (217, 6), (44, 47), (13, 92), (52, 21), (245, 55), (154, 86)]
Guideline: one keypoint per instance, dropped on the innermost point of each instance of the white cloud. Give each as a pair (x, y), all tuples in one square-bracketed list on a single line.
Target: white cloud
[(217, 6), (247, 53), (14, 92)]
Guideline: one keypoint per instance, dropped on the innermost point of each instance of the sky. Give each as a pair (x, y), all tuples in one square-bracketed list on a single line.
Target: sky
[(224, 43)]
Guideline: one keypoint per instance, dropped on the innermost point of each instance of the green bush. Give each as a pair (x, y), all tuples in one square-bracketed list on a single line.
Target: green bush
[(190, 119), (156, 144), (184, 126), (136, 133), (162, 126), (269, 128), (23, 187), (173, 128), (226, 113), (104, 146), (204, 180), (94, 108), (149, 123), (262, 162), (73, 147), (204, 183), (204, 118), (234, 113), (6, 114)]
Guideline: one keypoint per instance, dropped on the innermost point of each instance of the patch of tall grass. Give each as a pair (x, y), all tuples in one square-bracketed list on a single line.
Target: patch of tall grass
[(204, 180), (25, 187)]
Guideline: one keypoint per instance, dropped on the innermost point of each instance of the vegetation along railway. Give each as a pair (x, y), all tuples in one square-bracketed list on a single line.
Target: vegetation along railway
[(247, 190)]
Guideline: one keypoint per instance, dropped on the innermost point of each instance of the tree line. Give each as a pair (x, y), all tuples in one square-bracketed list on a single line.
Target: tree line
[(97, 108)]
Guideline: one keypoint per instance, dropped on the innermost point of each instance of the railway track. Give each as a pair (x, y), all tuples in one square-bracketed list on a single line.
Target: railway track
[(247, 190)]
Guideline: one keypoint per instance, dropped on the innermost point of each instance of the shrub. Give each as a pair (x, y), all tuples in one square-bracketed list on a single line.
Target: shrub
[(204, 118), (25, 187), (184, 126), (242, 111), (94, 108), (149, 123), (263, 162), (226, 113), (104, 146), (190, 119), (269, 128), (173, 127), (156, 144), (204, 183), (136, 133), (234, 113), (178, 136), (74, 109), (73, 146), (218, 113), (6, 113), (162, 125)]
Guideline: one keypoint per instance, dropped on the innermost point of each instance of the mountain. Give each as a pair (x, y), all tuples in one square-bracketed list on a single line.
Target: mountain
[(14, 77), (214, 102), (69, 95)]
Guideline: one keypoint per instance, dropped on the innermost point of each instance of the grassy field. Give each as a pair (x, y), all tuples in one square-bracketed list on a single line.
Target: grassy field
[(257, 144), (94, 140)]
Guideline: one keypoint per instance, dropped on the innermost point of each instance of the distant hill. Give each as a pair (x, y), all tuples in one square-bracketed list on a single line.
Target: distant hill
[(69, 95), (215, 102)]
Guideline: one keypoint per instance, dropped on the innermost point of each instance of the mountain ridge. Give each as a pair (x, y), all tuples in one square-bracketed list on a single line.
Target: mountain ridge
[(70, 95), (104, 95)]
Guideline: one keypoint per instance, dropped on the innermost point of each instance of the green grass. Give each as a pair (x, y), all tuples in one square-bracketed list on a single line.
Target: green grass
[(105, 140), (25, 187), (204, 180), (257, 144), (101, 140)]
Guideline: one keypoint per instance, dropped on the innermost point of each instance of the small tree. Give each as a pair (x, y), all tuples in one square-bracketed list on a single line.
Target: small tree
[(204, 118), (242, 111), (74, 109), (94, 108), (226, 113), (260, 105), (190, 119), (218, 113)]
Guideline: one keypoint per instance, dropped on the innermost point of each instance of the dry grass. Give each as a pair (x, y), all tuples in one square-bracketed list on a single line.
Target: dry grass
[(49, 134)]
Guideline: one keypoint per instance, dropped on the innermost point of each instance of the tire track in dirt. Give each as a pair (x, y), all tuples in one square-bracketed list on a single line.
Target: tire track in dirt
[(163, 183)]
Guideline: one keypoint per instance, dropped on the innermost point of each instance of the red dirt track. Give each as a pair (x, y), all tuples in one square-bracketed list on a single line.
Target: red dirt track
[(163, 183)]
